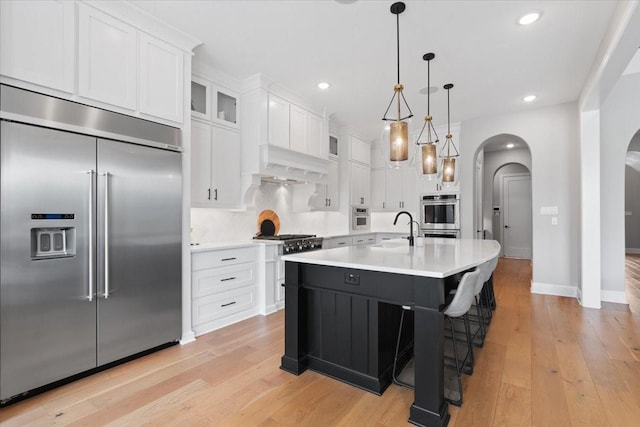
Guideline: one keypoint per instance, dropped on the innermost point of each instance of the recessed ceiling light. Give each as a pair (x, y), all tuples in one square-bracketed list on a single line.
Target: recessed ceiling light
[(324, 85), (529, 98), (529, 18), (510, 145)]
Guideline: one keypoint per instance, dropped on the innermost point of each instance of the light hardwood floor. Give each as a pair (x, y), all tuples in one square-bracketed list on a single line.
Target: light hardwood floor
[(546, 362)]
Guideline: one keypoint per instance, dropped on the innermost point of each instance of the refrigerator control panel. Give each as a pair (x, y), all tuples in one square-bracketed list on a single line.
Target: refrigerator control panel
[(53, 242)]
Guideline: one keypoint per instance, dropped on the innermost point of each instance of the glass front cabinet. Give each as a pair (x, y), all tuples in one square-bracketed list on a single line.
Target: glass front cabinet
[(213, 103)]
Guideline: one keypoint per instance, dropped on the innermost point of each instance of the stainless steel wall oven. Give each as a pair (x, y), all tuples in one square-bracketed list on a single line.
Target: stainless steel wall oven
[(440, 212)]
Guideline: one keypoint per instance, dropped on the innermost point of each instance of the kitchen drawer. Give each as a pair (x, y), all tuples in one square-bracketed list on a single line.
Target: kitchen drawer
[(339, 242), (223, 304), (215, 280), (224, 257)]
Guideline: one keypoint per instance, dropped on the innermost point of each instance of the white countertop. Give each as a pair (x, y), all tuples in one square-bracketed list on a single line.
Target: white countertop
[(200, 247), (439, 257)]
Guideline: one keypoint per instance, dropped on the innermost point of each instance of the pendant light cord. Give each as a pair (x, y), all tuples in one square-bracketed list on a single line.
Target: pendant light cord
[(428, 86), (448, 113), (398, 44)]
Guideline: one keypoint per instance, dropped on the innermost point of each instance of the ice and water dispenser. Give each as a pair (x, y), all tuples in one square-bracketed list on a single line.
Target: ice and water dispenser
[(52, 242)]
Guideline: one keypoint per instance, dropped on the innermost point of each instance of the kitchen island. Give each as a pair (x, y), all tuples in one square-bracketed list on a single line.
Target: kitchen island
[(343, 307)]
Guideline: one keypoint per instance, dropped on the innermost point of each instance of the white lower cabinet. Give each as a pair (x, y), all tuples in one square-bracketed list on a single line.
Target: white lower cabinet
[(224, 287), (272, 289)]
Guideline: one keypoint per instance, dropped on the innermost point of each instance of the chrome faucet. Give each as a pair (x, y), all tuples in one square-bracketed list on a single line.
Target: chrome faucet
[(410, 238)]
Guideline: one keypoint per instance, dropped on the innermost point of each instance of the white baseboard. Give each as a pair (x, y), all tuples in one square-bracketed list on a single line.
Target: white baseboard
[(187, 338), (551, 289), (619, 297), (632, 250)]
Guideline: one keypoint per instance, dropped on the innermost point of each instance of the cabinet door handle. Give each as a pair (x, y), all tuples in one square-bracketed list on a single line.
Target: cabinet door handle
[(362, 200), (383, 205), (228, 304), (208, 194), (226, 279), (215, 192), (228, 259), (329, 202)]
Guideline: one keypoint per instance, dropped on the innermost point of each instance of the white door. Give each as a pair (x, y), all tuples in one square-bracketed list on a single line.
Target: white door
[(479, 222), (517, 216)]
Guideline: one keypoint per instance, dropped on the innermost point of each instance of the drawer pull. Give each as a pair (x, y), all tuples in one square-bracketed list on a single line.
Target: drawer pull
[(342, 243), (228, 304), (227, 279), (228, 259)]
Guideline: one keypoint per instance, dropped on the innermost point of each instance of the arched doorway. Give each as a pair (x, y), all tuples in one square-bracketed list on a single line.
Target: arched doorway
[(503, 155), (632, 223)]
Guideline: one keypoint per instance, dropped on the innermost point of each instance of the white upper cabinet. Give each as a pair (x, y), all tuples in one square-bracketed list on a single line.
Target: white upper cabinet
[(161, 79), (295, 128), (225, 166), (360, 151), (317, 147), (394, 189), (37, 42), (298, 129), (201, 98), (278, 121), (360, 184), (200, 163), (103, 54), (215, 166), (106, 58)]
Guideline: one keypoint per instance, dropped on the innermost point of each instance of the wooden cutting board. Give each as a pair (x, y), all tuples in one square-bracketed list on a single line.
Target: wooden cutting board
[(271, 215)]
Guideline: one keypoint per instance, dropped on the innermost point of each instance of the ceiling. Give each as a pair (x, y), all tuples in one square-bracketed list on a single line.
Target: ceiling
[(479, 46)]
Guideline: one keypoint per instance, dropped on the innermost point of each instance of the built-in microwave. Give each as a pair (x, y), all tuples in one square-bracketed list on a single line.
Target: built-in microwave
[(440, 212), (359, 218)]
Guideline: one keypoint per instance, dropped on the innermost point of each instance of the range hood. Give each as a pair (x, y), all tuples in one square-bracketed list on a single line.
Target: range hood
[(282, 166)]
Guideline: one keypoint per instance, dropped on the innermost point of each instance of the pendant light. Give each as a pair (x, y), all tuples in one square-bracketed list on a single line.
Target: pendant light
[(428, 166), (449, 159), (399, 129)]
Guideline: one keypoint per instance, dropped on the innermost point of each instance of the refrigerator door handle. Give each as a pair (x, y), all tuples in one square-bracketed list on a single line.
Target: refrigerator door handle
[(106, 234), (91, 254)]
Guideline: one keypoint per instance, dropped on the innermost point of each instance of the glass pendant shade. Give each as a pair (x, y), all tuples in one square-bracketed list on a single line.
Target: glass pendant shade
[(429, 159), (399, 141), (448, 169)]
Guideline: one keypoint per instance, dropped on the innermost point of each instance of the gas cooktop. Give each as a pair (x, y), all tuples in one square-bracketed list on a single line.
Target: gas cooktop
[(294, 243), (285, 237)]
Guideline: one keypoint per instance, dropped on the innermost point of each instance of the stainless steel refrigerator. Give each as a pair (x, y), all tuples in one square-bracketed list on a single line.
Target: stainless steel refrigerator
[(90, 255)]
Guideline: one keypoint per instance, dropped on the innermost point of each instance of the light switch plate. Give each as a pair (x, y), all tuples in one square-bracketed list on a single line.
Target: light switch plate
[(548, 210), (554, 220)]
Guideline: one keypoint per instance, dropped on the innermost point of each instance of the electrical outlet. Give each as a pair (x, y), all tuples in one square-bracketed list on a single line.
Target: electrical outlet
[(554, 220)]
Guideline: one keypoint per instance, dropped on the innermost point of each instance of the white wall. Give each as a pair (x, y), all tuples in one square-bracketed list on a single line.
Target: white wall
[(620, 120), (551, 134), (221, 225)]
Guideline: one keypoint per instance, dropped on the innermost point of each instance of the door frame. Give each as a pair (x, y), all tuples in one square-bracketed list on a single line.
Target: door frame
[(504, 209)]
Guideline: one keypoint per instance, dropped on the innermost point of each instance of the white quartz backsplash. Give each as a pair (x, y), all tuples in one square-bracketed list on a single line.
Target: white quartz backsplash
[(221, 225)]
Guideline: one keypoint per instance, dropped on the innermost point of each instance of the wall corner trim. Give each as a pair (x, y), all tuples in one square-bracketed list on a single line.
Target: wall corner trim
[(187, 338)]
